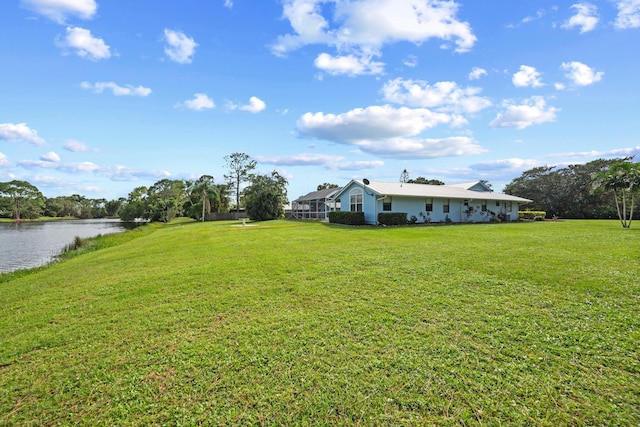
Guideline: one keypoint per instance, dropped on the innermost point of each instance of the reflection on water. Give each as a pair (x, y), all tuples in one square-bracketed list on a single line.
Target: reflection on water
[(33, 244)]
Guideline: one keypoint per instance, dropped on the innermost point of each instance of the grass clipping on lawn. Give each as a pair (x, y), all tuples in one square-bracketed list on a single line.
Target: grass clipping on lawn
[(294, 323)]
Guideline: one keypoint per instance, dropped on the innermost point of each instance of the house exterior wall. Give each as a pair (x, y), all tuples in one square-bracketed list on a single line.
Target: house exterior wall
[(472, 211), (458, 211)]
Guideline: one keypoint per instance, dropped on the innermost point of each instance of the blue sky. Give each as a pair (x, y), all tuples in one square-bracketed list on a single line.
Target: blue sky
[(99, 97)]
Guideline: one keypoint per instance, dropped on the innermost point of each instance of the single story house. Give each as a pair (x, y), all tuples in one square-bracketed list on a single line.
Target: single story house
[(467, 202), (315, 205)]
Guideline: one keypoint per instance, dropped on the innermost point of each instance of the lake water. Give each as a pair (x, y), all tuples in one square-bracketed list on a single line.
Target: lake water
[(33, 244)]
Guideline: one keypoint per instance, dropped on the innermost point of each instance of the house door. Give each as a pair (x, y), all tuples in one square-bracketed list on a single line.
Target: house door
[(464, 209)]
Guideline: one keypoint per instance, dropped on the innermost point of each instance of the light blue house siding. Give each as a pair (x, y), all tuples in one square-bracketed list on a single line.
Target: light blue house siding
[(470, 202)]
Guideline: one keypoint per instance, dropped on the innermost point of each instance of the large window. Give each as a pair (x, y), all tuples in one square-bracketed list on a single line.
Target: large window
[(386, 204), (445, 206), (484, 206), (355, 197), (428, 205)]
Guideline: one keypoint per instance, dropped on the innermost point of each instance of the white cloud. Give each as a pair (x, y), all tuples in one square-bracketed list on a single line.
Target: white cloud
[(228, 3), (117, 90), (581, 74), (75, 146), (411, 61), (304, 159), (361, 28), (532, 111), (476, 73), (328, 161), (180, 48), (199, 102), (51, 156), (443, 96), (628, 14), (506, 165), (255, 105), (349, 64), (64, 167), (14, 132), (386, 131), (59, 10), (527, 76), (4, 161), (559, 86), (586, 17), (85, 45), (624, 152)]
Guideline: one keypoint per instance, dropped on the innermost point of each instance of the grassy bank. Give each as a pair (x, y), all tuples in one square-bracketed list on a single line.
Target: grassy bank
[(304, 323)]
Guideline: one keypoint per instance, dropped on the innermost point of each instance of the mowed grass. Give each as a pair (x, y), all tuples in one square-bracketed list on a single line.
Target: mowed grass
[(295, 323)]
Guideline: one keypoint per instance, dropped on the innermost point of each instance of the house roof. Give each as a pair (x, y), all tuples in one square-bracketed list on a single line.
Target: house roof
[(456, 191), (320, 194)]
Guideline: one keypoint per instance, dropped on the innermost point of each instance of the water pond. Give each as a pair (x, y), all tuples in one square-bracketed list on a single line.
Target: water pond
[(33, 244)]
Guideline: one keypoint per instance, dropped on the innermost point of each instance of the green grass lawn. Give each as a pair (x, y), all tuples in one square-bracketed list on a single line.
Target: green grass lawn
[(295, 323)]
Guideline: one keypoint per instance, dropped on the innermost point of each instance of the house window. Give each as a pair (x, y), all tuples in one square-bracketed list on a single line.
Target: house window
[(445, 206), (509, 208), (429, 204), (356, 200), (484, 206), (497, 203), (386, 204)]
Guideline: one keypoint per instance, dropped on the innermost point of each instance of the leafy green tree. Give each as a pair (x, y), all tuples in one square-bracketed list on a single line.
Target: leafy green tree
[(266, 196), (623, 180), (136, 205), (24, 199), (326, 186), (239, 167), (112, 207), (165, 199), (423, 180), (202, 194), (564, 192)]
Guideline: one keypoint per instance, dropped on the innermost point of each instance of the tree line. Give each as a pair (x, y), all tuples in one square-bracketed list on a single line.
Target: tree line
[(603, 188), (263, 197)]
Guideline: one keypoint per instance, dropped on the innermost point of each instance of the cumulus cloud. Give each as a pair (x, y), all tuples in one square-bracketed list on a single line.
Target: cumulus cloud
[(51, 156), (85, 45), (117, 90), (386, 131), (180, 48), (254, 106), (532, 111), (59, 10), (4, 161), (228, 3), (476, 73), (361, 28), (350, 65), (411, 61), (442, 96), (581, 74), (628, 14), (527, 77), (199, 102), (14, 132), (586, 17)]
